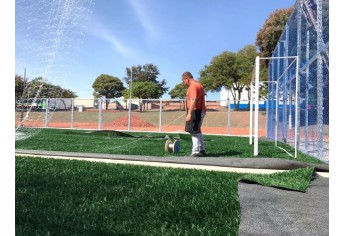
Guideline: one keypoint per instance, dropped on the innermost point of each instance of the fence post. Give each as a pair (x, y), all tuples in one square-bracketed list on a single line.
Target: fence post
[(229, 116), (251, 115), (276, 114), (297, 109), (306, 123), (72, 112), (297, 92), (319, 79), (160, 114), (129, 113), (21, 112), (46, 115), (99, 113)]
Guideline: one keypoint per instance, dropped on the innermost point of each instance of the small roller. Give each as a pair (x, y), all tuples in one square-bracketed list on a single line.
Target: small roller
[(171, 146)]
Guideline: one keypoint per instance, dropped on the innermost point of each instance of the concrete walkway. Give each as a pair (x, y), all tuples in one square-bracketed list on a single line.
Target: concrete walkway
[(269, 211)]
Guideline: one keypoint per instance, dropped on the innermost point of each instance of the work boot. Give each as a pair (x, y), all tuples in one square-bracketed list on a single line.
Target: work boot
[(203, 152)]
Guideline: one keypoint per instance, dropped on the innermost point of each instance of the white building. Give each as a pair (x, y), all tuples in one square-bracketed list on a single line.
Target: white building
[(226, 95)]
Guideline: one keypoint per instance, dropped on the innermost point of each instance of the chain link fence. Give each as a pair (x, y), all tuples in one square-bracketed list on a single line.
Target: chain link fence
[(149, 115)]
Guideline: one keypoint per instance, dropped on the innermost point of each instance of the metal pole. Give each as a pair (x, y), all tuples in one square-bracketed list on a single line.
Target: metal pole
[(130, 88), (276, 125), (47, 110), (229, 116), (72, 113), (285, 118), (299, 55), (160, 114), (256, 123), (251, 115), (306, 125), (286, 62), (319, 82), (22, 103), (290, 106), (129, 114), (99, 113), (269, 110), (296, 108)]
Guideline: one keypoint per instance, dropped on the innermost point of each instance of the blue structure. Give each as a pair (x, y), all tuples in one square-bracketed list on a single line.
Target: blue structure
[(306, 35)]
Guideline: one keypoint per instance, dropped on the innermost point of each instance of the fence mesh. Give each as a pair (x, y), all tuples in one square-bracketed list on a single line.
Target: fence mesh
[(153, 115), (306, 35)]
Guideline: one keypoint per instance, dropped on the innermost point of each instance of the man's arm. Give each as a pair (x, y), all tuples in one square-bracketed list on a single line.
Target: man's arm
[(191, 108)]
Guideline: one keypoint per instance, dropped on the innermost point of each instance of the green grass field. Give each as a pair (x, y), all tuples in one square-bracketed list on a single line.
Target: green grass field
[(73, 197), (150, 144)]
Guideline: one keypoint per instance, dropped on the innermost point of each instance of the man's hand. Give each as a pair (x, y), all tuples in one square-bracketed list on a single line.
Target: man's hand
[(188, 117)]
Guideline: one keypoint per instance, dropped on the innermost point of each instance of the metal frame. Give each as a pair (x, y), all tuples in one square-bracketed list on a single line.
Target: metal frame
[(256, 114)]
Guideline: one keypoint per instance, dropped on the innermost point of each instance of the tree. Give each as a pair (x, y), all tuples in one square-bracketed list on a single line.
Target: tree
[(268, 36), (179, 91), (219, 72), (49, 90), (107, 86), (20, 84), (267, 39), (145, 90), (246, 60), (40, 87), (145, 73), (230, 70)]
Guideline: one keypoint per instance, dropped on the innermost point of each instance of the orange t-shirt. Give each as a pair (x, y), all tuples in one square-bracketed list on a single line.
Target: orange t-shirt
[(196, 90)]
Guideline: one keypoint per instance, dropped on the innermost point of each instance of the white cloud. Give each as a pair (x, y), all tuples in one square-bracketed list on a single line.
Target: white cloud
[(141, 12), (99, 30)]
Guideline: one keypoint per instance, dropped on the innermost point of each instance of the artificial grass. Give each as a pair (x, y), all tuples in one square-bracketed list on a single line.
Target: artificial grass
[(149, 144), (70, 197), (296, 179), (63, 197)]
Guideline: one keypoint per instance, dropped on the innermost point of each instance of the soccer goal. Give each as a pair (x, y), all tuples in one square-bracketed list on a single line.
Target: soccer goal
[(282, 107), (49, 34)]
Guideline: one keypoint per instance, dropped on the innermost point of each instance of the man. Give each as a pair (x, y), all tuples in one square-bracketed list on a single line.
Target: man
[(196, 111)]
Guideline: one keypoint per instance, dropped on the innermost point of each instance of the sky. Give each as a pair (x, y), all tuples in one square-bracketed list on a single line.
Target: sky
[(70, 43)]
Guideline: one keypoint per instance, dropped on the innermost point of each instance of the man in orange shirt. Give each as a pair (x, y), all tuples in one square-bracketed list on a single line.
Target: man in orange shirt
[(196, 111)]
